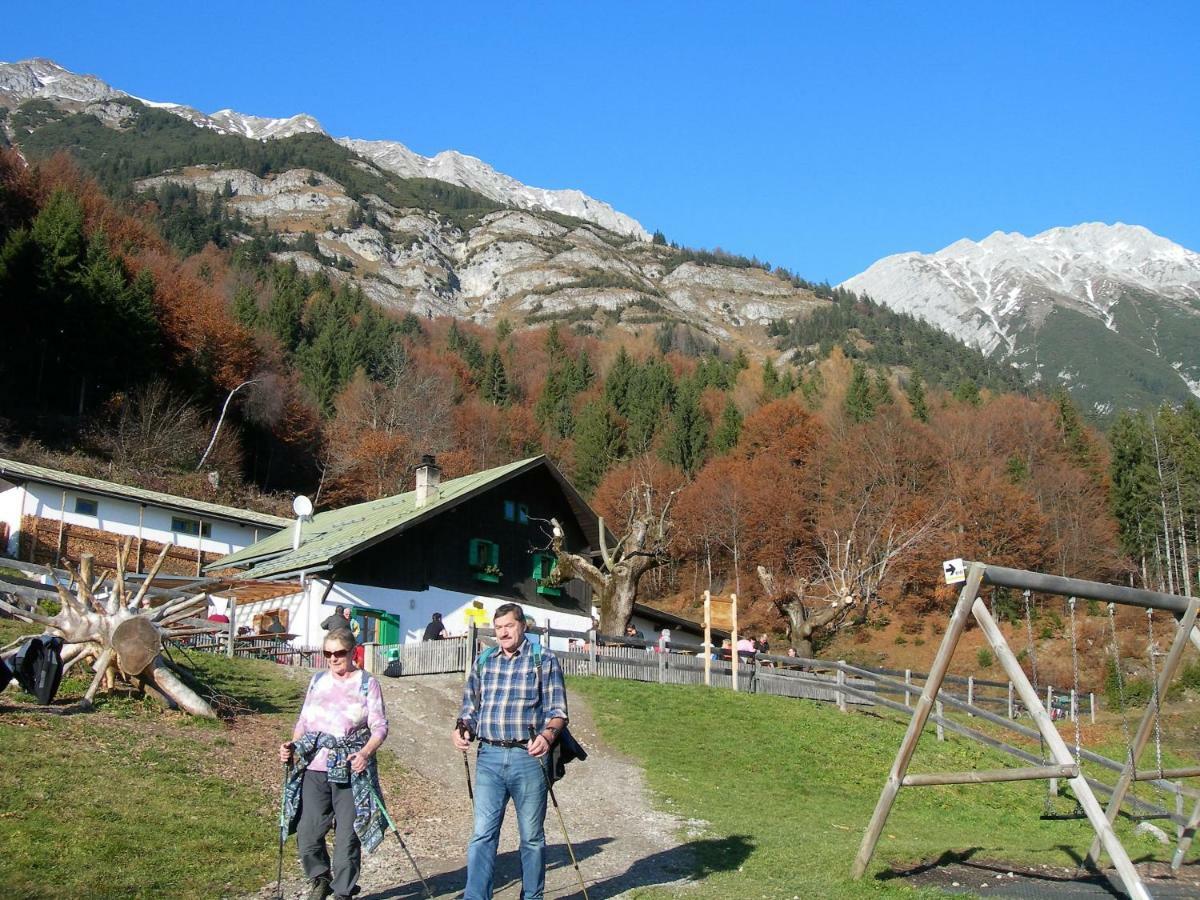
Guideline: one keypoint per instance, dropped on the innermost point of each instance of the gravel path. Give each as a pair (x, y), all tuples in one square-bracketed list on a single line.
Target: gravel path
[(621, 842)]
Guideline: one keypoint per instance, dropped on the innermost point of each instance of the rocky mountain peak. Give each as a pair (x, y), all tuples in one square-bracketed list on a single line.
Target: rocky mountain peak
[(44, 79)]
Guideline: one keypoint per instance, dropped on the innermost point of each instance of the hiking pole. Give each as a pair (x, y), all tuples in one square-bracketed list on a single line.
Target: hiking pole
[(561, 820), (282, 832), (403, 846), (463, 730)]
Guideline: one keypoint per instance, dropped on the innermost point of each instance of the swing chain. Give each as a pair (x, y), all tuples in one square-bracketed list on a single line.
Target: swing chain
[(1157, 699), (1116, 648), (1075, 679), (1048, 807)]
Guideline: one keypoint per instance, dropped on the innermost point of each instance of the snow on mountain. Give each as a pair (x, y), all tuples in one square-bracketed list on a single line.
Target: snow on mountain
[(1032, 299), (988, 291), (45, 79), (467, 171)]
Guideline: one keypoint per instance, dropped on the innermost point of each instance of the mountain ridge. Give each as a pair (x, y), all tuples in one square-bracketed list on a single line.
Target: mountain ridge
[(42, 78), (1013, 296)]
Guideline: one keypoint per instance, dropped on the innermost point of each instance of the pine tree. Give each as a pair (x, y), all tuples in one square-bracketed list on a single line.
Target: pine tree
[(859, 404), (494, 387), (916, 397), (881, 392), (616, 383), (688, 431), (729, 429), (968, 392), (770, 381), (503, 330), (597, 444)]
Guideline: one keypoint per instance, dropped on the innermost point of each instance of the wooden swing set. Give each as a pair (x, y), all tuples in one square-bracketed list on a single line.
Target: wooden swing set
[(1061, 763)]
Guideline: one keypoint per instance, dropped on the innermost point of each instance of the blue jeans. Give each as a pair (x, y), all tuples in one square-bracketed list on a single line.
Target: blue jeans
[(500, 773)]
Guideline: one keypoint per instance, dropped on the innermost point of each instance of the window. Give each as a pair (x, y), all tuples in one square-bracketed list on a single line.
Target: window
[(484, 557), (194, 527), (86, 507), (545, 581), (516, 512)]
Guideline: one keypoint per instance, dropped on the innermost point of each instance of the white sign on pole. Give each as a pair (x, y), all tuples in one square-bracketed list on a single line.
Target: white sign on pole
[(956, 571)]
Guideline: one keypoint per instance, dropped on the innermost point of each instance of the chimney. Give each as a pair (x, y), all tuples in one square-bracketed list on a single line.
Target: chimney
[(429, 476)]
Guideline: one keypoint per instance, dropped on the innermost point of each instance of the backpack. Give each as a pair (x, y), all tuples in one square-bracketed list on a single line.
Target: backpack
[(564, 750), (38, 666)]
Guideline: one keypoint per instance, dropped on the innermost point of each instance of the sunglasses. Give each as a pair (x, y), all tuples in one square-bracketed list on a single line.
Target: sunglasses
[(335, 654)]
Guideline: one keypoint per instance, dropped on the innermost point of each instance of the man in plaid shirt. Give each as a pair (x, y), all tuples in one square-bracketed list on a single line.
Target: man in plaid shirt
[(505, 697)]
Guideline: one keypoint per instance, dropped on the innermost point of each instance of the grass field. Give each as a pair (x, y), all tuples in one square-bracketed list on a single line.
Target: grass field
[(786, 789), (135, 801)]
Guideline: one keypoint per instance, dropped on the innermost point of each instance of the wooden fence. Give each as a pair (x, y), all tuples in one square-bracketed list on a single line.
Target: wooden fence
[(828, 680), (832, 681)]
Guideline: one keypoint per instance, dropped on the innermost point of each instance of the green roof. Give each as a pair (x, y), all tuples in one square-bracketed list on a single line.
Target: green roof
[(335, 534), (19, 471)]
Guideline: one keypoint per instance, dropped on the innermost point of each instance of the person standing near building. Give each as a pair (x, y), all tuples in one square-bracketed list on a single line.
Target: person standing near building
[(511, 689), (435, 630)]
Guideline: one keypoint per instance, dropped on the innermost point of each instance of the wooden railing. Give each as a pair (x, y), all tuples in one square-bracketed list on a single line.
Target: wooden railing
[(833, 681)]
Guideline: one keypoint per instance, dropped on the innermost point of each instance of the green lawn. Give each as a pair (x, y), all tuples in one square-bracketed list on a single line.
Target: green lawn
[(788, 786), (135, 801)]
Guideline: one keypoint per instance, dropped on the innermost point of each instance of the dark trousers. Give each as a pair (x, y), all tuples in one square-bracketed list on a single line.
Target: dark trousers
[(321, 805)]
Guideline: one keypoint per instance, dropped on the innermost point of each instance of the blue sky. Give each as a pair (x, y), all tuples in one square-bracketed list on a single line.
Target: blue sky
[(818, 136)]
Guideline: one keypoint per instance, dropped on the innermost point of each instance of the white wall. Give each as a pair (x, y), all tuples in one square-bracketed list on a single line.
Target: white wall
[(121, 517), (10, 513), (413, 608)]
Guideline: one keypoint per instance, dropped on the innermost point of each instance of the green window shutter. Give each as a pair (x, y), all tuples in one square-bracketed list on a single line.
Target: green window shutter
[(478, 555), (495, 554), (537, 566)]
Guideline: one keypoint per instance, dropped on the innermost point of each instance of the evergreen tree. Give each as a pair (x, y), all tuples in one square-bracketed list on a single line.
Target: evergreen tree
[(916, 397), (554, 344), (1074, 433), (770, 381), (651, 391), (245, 307), (503, 330), (597, 444), (494, 387), (729, 429), (688, 431), (859, 404), (968, 392), (881, 392), (616, 383)]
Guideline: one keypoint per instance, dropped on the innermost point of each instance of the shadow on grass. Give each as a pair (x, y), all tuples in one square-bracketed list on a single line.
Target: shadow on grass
[(957, 866), (692, 861)]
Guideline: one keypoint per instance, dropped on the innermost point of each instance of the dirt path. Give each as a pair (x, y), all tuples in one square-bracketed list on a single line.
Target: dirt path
[(621, 842)]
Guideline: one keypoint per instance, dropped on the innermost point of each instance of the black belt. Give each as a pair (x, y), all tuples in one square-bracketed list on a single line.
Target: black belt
[(504, 743)]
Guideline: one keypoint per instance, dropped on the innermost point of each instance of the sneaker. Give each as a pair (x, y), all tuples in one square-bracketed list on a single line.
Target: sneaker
[(320, 888)]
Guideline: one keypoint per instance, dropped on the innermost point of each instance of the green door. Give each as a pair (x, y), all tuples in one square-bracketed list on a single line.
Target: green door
[(389, 628)]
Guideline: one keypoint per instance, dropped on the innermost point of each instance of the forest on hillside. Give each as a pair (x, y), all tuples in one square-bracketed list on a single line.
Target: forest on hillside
[(848, 470)]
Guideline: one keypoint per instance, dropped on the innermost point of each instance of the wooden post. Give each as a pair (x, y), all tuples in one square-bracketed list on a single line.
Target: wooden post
[(1185, 838), (971, 692), (137, 565), (1092, 707), (841, 680), (231, 611), (941, 732), (1179, 811), (1174, 655), (472, 646), (62, 522), (200, 549), (933, 682), (1049, 700), (1074, 707), (591, 651), (708, 638), (1010, 701), (1061, 755), (907, 685), (733, 640)]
